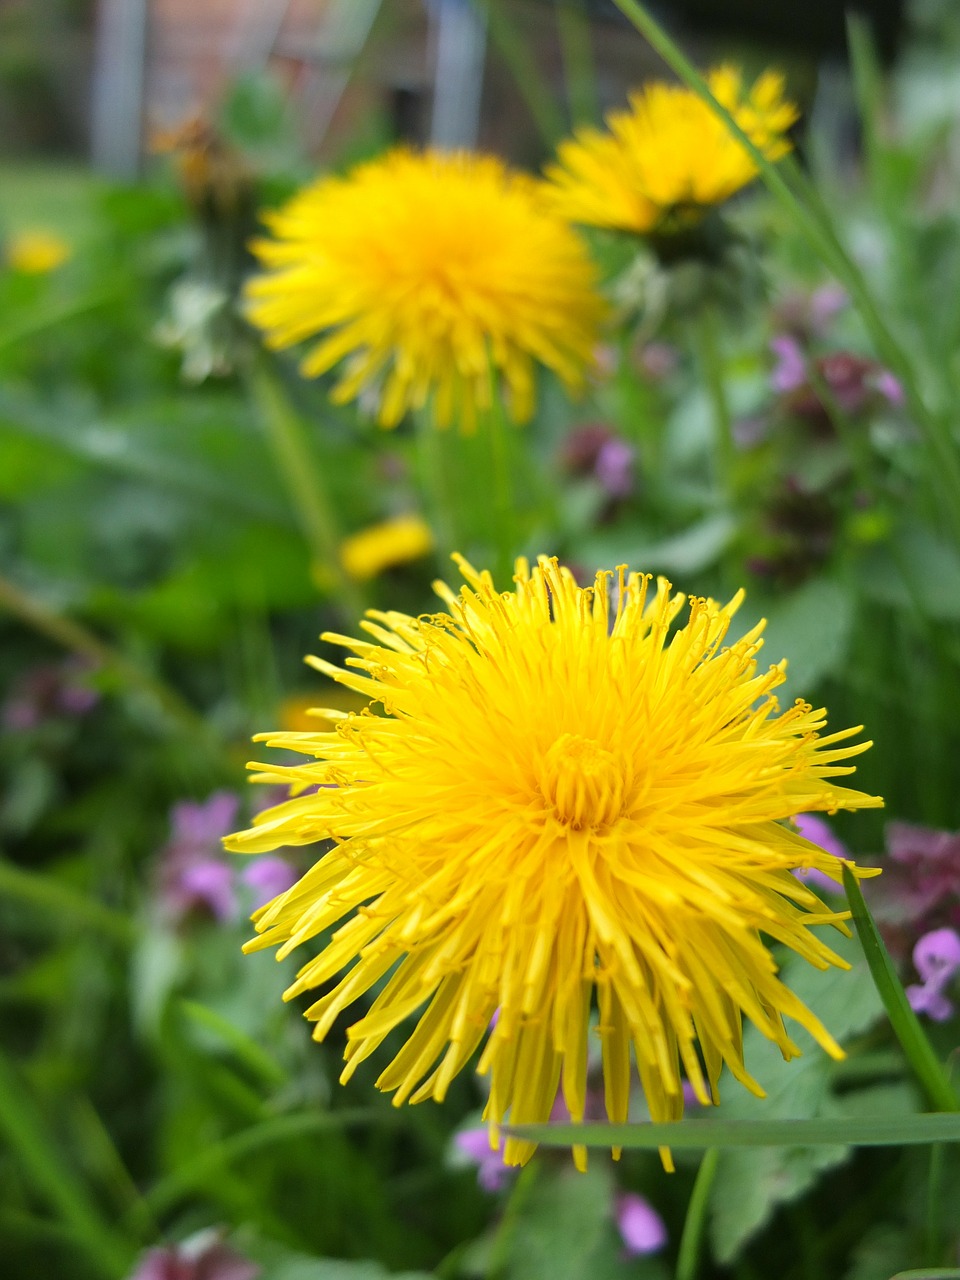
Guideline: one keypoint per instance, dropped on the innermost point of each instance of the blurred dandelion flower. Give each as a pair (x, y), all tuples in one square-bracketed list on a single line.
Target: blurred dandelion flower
[(429, 274), (669, 158), (35, 252), (552, 807), (383, 546)]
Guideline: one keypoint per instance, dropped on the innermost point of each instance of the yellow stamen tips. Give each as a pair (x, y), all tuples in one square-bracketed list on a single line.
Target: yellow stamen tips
[(429, 277), (568, 805), (668, 159)]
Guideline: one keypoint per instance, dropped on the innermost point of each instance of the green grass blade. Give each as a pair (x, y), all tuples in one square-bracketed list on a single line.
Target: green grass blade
[(694, 1225), (44, 1166), (196, 1172), (261, 1063), (573, 28), (61, 901), (929, 1273), (701, 1135), (906, 1025), (533, 86)]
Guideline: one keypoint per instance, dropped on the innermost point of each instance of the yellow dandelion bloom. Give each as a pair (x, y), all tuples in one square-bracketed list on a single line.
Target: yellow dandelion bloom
[(382, 546), (558, 808), (669, 158), (430, 274), (36, 252)]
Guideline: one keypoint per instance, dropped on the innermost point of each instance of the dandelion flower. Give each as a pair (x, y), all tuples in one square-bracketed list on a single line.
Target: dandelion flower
[(36, 252), (382, 546), (432, 274), (559, 806), (669, 158)]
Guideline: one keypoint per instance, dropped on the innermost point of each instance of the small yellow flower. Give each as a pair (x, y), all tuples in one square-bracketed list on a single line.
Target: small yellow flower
[(381, 546), (554, 809), (669, 158), (429, 275), (298, 714), (36, 252)]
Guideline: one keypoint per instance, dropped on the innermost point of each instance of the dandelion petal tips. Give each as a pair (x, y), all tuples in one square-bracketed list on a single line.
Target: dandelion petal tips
[(567, 803), (668, 159)]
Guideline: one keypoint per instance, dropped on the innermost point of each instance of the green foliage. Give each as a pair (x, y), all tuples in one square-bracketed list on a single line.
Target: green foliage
[(172, 502)]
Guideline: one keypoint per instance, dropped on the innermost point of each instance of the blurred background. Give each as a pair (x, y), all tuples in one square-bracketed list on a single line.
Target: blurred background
[(163, 570)]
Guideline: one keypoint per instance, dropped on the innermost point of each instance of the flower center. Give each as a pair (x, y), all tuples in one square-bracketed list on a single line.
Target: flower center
[(582, 782)]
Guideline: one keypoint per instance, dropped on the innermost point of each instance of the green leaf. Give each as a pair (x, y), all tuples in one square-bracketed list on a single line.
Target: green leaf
[(281, 1263), (883, 1247), (688, 552), (750, 1184), (563, 1230), (811, 629), (934, 568)]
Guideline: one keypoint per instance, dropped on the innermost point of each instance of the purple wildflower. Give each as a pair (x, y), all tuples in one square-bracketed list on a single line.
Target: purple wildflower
[(658, 360), (937, 958), (790, 371), (818, 832), (890, 387), (49, 690), (473, 1145), (268, 877), (202, 1259), (194, 875), (202, 826), (614, 467), (825, 303), (641, 1228), (926, 874)]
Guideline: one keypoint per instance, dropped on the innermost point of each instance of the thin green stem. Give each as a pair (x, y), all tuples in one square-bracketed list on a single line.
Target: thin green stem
[(80, 640), (530, 81), (919, 1052), (579, 73), (512, 1215), (713, 375), (503, 508), (813, 221), (437, 483), (297, 463), (695, 1223)]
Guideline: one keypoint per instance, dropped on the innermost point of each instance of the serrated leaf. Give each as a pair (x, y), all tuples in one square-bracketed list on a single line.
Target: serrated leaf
[(750, 1184)]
